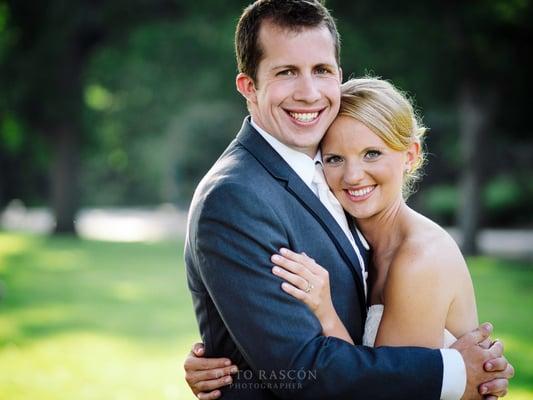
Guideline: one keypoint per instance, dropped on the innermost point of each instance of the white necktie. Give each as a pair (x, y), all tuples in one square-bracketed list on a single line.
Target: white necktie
[(335, 209)]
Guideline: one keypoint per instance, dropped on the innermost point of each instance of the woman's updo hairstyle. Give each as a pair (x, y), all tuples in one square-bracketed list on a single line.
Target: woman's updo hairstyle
[(389, 114)]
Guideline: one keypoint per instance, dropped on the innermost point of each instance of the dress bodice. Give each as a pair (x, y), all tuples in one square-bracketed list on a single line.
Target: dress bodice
[(373, 318)]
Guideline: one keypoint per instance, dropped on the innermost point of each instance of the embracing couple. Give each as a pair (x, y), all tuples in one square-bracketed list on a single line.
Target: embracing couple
[(311, 278)]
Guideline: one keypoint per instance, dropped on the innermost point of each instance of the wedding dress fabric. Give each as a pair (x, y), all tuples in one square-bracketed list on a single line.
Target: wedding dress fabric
[(373, 318)]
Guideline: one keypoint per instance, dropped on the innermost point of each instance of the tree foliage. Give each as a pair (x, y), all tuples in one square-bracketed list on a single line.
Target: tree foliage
[(129, 102)]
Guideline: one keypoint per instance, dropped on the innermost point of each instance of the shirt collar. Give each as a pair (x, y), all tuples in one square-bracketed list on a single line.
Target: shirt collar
[(301, 163)]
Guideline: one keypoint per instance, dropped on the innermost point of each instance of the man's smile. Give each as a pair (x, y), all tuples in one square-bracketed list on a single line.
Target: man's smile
[(304, 117)]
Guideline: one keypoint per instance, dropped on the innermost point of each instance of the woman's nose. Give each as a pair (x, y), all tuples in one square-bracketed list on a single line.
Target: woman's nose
[(354, 173)]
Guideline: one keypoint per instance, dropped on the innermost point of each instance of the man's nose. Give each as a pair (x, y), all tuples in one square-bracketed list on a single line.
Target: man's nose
[(307, 89)]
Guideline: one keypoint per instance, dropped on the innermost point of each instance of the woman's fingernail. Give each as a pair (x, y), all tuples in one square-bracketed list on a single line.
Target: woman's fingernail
[(228, 379), (283, 250), (484, 390), (275, 270), (234, 370), (227, 363), (275, 257), (489, 366)]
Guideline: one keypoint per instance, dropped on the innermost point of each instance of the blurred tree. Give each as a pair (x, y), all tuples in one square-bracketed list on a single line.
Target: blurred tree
[(118, 103), (44, 65)]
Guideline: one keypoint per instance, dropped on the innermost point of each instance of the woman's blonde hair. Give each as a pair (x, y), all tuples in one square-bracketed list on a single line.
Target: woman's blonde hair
[(389, 114)]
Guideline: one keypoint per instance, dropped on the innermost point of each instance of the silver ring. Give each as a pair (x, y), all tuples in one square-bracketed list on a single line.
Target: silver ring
[(309, 287)]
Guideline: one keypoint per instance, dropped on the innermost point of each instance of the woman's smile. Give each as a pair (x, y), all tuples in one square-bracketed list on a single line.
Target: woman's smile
[(360, 193)]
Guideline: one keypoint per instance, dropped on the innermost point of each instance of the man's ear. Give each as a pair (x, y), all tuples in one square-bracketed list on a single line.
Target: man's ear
[(246, 87)]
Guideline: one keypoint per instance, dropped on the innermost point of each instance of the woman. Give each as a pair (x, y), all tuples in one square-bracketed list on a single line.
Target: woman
[(420, 290)]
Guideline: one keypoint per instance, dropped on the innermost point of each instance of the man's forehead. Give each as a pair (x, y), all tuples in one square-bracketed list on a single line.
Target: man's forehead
[(269, 28), (275, 40)]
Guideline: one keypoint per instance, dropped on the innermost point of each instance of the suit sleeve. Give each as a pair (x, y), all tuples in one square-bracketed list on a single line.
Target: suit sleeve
[(236, 233)]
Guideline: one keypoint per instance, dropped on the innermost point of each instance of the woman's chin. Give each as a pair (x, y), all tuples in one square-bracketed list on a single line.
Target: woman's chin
[(361, 212)]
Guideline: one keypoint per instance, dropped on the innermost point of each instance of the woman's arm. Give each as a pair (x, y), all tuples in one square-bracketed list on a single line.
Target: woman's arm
[(309, 282)]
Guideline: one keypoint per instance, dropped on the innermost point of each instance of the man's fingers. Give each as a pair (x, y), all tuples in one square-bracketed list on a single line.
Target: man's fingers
[(210, 374), (486, 343), (474, 337), (496, 350), (207, 386), (215, 394), (198, 349), (496, 387), (193, 363), (496, 364)]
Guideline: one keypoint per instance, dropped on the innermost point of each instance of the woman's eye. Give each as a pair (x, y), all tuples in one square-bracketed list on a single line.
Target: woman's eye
[(372, 154), (333, 160)]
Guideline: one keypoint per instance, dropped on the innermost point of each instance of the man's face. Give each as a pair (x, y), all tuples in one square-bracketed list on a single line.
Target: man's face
[(296, 95)]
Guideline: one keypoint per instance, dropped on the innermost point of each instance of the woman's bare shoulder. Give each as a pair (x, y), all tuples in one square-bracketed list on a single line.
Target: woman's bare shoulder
[(428, 254)]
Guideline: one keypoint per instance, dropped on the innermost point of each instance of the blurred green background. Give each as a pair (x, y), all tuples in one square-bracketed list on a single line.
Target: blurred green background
[(109, 110)]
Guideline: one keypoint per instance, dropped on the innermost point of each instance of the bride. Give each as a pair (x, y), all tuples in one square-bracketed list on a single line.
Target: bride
[(419, 289)]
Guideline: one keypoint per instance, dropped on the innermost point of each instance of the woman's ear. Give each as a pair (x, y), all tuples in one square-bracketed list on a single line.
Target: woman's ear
[(412, 156), (246, 87)]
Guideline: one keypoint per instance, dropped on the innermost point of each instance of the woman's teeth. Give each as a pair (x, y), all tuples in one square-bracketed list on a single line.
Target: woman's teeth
[(361, 192), (304, 117)]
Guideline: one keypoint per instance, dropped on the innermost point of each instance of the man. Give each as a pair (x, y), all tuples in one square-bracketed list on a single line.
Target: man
[(261, 195)]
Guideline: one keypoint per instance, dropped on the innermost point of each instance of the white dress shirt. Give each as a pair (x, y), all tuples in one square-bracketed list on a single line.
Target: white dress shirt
[(454, 370)]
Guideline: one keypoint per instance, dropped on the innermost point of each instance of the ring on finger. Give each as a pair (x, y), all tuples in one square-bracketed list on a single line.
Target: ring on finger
[(309, 287)]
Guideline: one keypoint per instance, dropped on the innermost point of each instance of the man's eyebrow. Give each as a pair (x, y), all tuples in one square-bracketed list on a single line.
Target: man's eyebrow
[(285, 66), (326, 65)]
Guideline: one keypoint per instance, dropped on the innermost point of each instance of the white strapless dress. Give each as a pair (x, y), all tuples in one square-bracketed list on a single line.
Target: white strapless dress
[(373, 318)]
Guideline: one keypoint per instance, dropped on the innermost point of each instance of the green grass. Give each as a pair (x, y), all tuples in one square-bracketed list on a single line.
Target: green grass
[(93, 320)]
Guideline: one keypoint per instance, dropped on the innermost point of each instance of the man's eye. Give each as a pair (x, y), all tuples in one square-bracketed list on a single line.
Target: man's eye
[(332, 160), (286, 72), (372, 154), (322, 70)]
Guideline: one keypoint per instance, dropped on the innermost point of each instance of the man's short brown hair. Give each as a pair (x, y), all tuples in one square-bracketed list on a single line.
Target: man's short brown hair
[(293, 15)]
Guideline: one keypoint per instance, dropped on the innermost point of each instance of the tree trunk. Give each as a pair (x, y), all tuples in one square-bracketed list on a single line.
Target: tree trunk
[(64, 179), (67, 138), (473, 117)]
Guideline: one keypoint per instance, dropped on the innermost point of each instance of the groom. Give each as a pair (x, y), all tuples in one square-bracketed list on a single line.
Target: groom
[(261, 196)]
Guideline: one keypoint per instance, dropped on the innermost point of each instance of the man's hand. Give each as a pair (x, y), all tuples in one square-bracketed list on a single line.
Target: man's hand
[(487, 370), (204, 375)]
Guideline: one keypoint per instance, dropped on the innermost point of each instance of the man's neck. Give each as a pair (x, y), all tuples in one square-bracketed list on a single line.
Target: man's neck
[(311, 153)]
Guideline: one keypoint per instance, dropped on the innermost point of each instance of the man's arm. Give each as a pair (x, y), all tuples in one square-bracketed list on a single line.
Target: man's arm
[(237, 232)]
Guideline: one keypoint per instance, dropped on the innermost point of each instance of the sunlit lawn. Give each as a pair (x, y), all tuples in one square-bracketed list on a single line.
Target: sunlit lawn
[(92, 320)]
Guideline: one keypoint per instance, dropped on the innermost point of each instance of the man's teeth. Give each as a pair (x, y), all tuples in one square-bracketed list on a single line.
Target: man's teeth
[(361, 192), (304, 117)]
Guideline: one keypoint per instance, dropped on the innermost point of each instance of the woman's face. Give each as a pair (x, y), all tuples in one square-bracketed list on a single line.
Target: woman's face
[(364, 173)]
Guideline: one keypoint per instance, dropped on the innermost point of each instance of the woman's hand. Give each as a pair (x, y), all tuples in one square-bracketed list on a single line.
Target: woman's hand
[(205, 375), (309, 282)]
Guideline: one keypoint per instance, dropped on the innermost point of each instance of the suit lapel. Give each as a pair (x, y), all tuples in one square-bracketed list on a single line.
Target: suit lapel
[(278, 168)]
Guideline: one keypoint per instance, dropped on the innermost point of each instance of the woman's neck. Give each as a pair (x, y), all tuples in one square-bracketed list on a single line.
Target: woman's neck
[(386, 230)]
